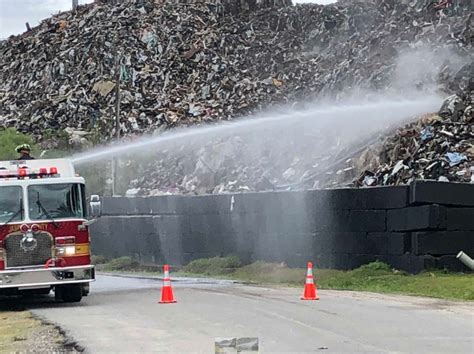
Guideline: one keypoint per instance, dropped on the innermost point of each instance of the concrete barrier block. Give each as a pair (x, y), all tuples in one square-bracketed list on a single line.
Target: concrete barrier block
[(198, 224), (194, 242), (169, 226), (348, 220), (168, 230), (338, 199), (101, 238), (221, 244), (367, 220), (151, 249), (244, 222), (165, 205), (263, 202), (267, 248), (140, 206), (245, 241), (460, 219), (287, 202), (198, 205), (112, 206), (430, 192), (284, 223), (224, 203), (390, 197), (388, 243), (331, 220), (442, 242), (214, 225), (283, 202), (358, 198), (293, 243), (340, 242), (417, 218)]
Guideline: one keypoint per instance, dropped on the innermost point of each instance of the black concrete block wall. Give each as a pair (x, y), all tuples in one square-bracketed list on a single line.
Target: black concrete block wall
[(429, 192), (423, 217), (414, 227)]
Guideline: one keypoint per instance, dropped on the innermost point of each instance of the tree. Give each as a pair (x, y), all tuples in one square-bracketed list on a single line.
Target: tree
[(9, 140)]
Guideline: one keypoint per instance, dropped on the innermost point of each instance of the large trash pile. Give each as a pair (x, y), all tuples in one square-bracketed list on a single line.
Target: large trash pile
[(188, 63)]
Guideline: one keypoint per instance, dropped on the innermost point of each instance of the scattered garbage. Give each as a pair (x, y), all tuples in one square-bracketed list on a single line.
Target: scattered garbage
[(426, 133), (455, 158)]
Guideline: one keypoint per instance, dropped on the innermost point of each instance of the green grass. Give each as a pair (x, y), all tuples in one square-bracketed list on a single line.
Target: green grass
[(374, 277), (433, 284)]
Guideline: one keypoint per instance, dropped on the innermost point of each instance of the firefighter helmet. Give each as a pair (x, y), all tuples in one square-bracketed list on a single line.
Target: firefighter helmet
[(23, 147)]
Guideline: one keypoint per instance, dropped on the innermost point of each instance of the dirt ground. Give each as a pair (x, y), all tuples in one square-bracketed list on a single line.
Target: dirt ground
[(21, 332)]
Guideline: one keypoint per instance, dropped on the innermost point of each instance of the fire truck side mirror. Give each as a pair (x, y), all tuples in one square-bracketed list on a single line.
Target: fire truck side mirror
[(95, 206)]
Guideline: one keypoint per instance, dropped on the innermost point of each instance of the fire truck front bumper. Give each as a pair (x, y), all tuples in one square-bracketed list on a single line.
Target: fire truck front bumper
[(44, 277)]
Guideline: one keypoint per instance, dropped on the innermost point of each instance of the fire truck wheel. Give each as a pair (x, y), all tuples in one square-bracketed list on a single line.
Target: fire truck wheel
[(70, 293), (85, 290)]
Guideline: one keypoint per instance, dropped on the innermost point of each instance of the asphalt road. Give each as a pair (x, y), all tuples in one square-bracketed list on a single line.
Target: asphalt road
[(122, 315)]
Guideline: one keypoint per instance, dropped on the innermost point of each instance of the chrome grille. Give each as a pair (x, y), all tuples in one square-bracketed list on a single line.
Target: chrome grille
[(16, 256)]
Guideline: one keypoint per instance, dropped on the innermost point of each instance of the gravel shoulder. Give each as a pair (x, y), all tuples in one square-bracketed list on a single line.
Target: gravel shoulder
[(20, 331)]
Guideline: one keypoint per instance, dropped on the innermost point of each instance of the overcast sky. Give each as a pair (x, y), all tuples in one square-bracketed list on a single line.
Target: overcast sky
[(15, 13)]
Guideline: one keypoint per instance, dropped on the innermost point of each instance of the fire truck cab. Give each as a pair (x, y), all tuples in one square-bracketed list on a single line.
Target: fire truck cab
[(44, 231)]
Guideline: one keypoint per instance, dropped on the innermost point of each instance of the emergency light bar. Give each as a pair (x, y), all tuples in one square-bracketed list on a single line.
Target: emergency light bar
[(24, 172)]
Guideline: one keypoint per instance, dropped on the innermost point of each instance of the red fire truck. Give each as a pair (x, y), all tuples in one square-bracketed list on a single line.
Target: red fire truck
[(44, 231)]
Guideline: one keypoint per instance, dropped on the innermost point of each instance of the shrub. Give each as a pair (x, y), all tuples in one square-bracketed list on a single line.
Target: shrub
[(213, 266), (374, 268), (99, 259), (122, 263)]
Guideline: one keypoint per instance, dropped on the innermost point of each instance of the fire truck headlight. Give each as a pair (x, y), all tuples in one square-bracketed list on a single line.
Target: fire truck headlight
[(69, 250), (66, 251)]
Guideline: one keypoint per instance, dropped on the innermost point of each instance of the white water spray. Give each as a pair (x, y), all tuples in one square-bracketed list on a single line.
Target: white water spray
[(349, 121)]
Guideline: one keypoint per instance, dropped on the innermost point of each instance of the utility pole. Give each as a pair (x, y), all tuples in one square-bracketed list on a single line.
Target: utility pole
[(75, 3), (118, 60), (117, 94)]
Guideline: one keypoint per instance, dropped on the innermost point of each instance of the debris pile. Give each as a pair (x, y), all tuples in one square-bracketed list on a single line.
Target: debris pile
[(182, 63)]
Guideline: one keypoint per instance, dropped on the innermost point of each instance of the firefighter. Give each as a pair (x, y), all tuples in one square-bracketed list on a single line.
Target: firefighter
[(24, 150)]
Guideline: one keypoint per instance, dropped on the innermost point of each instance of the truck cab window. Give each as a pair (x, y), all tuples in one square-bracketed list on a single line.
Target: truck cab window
[(57, 201), (11, 208)]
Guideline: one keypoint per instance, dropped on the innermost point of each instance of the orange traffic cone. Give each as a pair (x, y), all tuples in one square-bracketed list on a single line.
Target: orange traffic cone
[(309, 287), (166, 290)]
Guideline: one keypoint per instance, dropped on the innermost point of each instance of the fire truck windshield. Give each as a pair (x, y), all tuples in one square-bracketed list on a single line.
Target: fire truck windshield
[(59, 201), (11, 208)]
